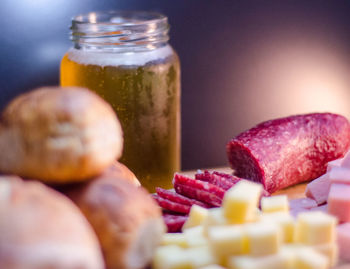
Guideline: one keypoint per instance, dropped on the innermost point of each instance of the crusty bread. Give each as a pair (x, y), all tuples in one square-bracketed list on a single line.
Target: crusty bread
[(120, 171), (42, 229), (59, 135), (126, 220)]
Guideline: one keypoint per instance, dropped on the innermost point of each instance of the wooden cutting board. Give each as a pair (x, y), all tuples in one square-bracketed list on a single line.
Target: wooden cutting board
[(293, 192)]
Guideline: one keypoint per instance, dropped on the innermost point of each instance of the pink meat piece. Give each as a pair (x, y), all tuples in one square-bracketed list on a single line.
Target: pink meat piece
[(345, 162), (339, 202), (306, 203), (174, 223), (334, 163), (286, 151), (339, 175), (318, 189), (322, 208), (343, 240)]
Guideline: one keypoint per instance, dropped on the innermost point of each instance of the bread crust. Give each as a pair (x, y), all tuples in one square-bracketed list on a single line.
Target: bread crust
[(59, 135), (120, 171), (42, 229), (125, 218)]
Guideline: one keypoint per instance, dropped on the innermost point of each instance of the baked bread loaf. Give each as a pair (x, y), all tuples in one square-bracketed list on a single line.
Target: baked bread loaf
[(42, 229), (125, 218), (59, 135), (120, 171)]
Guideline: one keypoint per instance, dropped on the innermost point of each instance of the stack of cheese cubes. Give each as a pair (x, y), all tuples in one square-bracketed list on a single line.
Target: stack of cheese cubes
[(239, 235)]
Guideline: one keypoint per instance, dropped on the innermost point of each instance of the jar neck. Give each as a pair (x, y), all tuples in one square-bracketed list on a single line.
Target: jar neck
[(120, 31)]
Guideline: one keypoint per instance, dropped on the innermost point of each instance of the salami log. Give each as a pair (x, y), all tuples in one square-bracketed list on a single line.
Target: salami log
[(286, 151)]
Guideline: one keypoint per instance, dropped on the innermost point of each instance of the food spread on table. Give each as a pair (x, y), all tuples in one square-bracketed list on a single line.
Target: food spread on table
[(66, 202)]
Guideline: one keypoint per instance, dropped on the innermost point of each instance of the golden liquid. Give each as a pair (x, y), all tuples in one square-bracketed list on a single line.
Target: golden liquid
[(147, 101)]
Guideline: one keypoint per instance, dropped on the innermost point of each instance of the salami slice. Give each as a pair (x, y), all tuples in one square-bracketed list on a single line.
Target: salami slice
[(178, 198), (286, 151), (199, 190), (172, 206), (221, 180)]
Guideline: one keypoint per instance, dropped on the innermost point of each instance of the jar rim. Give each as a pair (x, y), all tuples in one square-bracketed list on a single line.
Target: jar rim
[(116, 30), (143, 16)]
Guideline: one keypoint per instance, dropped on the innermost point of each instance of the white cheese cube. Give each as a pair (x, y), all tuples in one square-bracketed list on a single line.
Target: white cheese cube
[(308, 258), (225, 241), (200, 256), (212, 266), (275, 203), (196, 217), (171, 257), (240, 202), (264, 238), (286, 223), (195, 236), (215, 217), (331, 251), (178, 239), (315, 228), (276, 261)]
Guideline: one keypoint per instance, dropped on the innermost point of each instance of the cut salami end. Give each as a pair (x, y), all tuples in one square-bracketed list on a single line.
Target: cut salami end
[(178, 198), (286, 151), (199, 185), (174, 223)]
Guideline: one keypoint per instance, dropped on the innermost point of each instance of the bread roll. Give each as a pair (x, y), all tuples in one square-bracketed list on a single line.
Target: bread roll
[(126, 220), (120, 171), (59, 135), (42, 229)]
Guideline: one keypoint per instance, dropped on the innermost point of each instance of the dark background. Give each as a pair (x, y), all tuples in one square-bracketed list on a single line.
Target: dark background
[(242, 61)]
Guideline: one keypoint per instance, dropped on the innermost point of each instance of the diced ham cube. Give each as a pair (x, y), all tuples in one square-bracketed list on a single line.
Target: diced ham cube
[(343, 238), (296, 211), (345, 161), (322, 208), (339, 175), (334, 163), (339, 202), (302, 203), (318, 189)]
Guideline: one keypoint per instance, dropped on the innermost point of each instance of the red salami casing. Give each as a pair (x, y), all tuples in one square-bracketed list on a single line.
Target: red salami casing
[(286, 151)]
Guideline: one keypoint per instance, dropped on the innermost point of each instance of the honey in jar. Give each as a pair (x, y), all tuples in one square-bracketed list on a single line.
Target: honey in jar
[(126, 59)]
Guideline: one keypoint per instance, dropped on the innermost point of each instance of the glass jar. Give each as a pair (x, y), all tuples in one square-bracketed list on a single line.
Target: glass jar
[(126, 59)]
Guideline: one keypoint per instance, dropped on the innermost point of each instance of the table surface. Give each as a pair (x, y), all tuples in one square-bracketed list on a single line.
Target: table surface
[(297, 191)]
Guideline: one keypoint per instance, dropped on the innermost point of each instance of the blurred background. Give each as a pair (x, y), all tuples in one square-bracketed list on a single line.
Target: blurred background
[(242, 61)]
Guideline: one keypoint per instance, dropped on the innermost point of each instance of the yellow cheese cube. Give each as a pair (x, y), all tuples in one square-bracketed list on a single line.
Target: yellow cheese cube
[(276, 261), (195, 237), (275, 203), (225, 241), (174, 239), (308, 258), (240, 202), (285, 222), (264, 238), (171, 257), (331, 251), (314, 228), (215, 217), (196, 217), (200, 256)]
